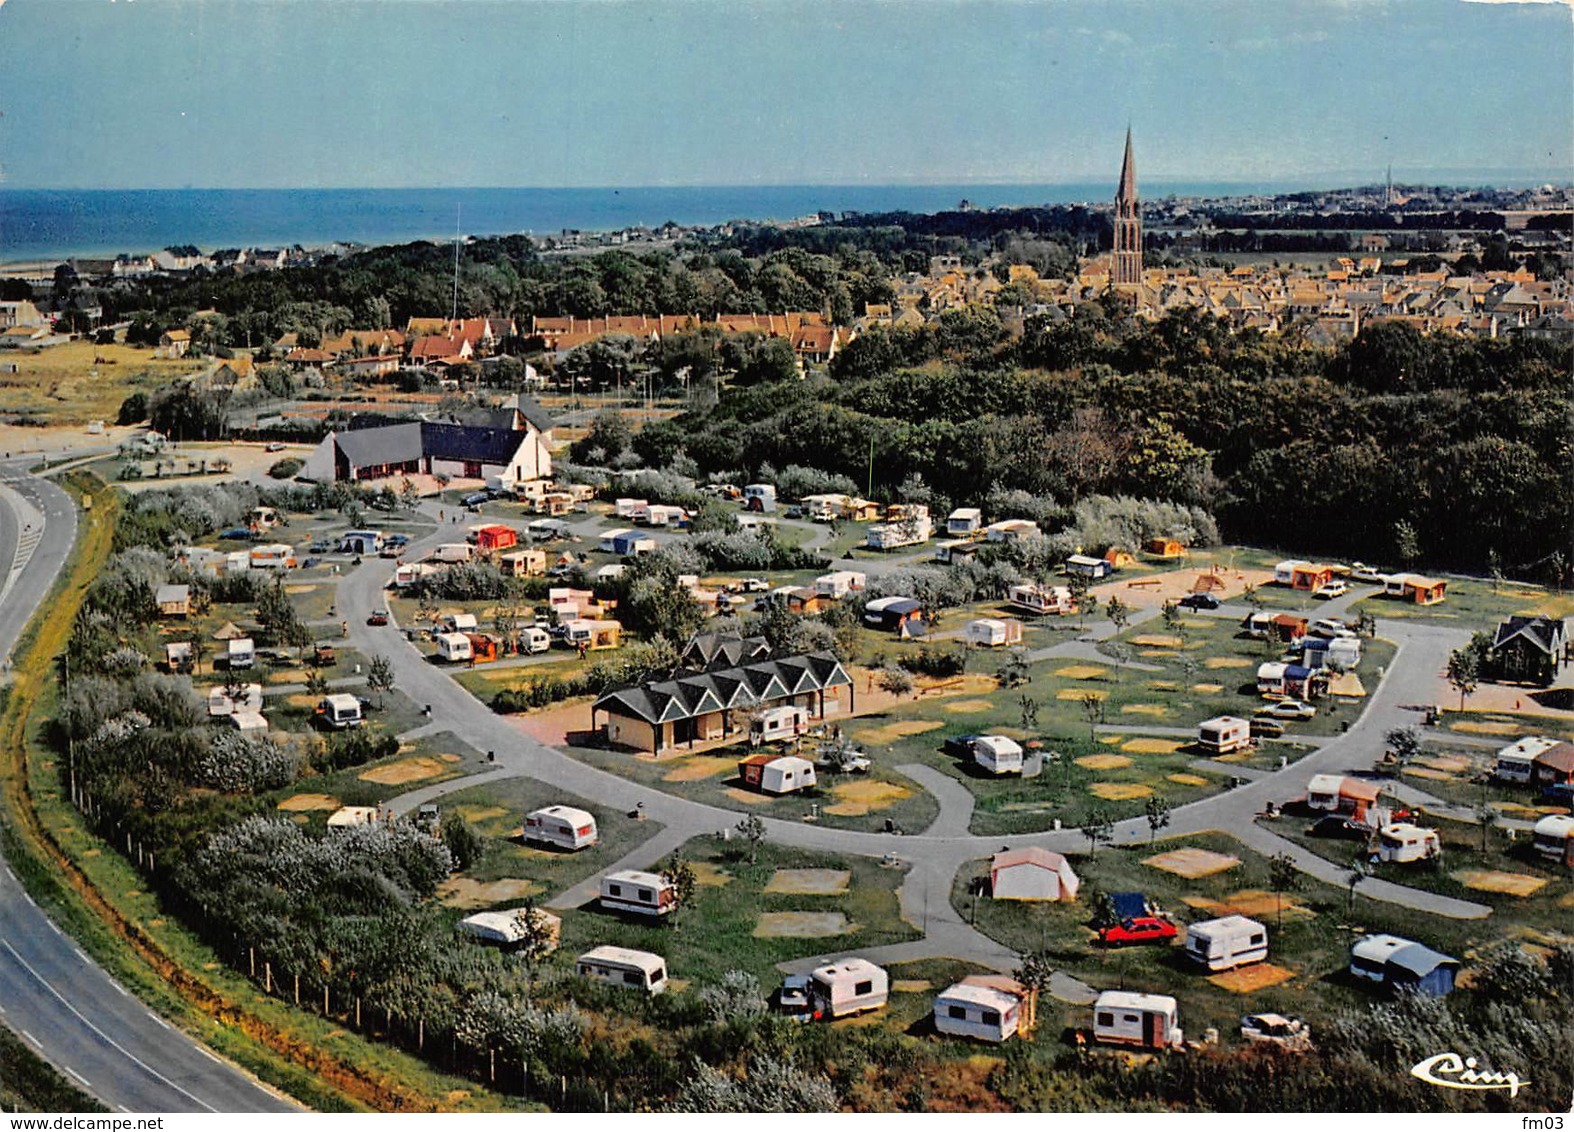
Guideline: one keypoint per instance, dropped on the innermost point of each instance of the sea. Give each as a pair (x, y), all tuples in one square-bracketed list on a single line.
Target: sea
[(42, 225)]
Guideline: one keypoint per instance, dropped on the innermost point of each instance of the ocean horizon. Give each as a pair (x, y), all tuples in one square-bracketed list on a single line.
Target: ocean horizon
[(54, 224)]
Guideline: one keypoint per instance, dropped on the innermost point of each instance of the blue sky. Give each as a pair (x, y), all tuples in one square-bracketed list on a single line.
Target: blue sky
[(329, 93)]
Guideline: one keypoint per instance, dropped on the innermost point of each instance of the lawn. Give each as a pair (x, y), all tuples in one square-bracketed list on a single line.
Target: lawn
[(717, 934), (1313, 944), (1474, 603), (79, 382), (424, 762)]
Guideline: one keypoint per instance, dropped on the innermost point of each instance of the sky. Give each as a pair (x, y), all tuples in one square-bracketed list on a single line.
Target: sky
[(553, 93)]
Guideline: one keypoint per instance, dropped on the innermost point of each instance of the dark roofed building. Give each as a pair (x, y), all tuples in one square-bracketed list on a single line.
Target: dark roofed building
[(699, 707), (722, 650), (1528, 650), (459, 451)]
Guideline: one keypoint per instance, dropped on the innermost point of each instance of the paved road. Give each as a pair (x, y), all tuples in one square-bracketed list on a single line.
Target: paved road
[(62, 1003), (936, 855)]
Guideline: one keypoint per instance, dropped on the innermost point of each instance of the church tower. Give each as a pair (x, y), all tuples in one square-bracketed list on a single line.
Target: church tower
[(1127, 261)]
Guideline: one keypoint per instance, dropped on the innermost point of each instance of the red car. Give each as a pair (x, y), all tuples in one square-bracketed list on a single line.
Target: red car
[(378, 617), (1141, 929)]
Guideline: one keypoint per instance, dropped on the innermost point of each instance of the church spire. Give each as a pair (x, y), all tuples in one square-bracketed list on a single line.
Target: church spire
[(1126, 264)]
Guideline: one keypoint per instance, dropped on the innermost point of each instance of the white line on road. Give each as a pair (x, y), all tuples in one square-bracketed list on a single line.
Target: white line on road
[(30, 1040), (210, 1055), (120, 988), (85, 1082), (29, 899), (88, 1022), (9, 873), (77, 951)]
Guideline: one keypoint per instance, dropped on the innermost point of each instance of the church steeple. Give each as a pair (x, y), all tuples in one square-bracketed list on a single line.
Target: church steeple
[(1127, 260)]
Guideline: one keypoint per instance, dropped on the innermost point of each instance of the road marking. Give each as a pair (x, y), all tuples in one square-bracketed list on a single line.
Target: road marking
[(29, 899), (78, 952), (54, 927), (88, 1022), (85, 1082), (120, 988), (210, 1055), (9, 873), (30, 1040), (159, 1020)]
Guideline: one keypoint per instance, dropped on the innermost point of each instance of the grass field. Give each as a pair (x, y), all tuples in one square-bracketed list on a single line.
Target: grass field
[(69, 384)]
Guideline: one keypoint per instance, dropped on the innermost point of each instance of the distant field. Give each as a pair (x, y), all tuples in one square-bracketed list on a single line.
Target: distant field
[(78, 381)]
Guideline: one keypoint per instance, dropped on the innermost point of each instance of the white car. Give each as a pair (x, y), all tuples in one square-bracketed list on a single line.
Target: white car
[(1361, 572), (1289, 709), (1332, 590)]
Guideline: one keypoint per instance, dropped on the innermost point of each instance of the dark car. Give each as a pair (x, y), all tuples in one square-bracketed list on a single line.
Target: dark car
[(475, 499), (1265, 727), (378, 617), (1139, 929), (238, 533), (321, 546), (1199, 601), (795, 1000), (1558, 793), (960, 746), (1342, 829)]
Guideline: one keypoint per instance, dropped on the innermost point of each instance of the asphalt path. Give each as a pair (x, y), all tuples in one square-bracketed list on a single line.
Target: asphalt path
[(61, 1003)]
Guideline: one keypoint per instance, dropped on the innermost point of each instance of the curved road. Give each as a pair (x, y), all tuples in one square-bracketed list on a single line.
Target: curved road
[(936, 855), (62, 1003)]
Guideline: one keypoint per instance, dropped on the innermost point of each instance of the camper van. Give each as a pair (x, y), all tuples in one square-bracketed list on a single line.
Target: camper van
[(992, 632), (543, 530), (272, 556), (998, 754), (1230, 941), (453, 552), (241, 653), (770, 774), (338, 712), (851, 986), (1224, 735), (645, 894), (623, 967), (454, 647), (778, 724), (1514, 762), (534, 640), (459, 622), (1034, 598), (985, 1007), (964, 522), (760, 497), (1402, 842), (1553, 837), (1125, 1018), (561, 826)]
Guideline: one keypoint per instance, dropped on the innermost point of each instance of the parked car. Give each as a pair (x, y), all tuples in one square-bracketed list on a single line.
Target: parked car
[(1288, 709), (378, 617), (1337, 588), (1139, 929), (793, 512), (274, 446), (1199, 601), (793, 998), (1342, 829), (238, 533), (475, 499), (320, 546), (960, 746), (1276, 1029), (1262, 727), (1559, 794), (1361, 572), (1331, 627), (753, 586), (323, 656)]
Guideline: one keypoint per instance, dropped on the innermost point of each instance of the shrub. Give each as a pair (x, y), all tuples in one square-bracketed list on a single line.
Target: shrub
[(286, 468)]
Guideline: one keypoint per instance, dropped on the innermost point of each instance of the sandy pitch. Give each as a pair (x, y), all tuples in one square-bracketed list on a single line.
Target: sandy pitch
[(1081, 672), (1146, 709), (1119, 791), (1153, 746), (968, 707), (864, 796), (1510, 884), (478, 814), (749, 797), (1252, 902), (1473, 728), (1208, 689), (1188, 779), (405, 770), (708, 875), (695, 768), (1080, 694), (1245, 980), (1226, 662), (1157, 641), (1103, 762), (889, 733), (801, 925), (809, 882), (301, 803), (1192, 863), (462, 892)]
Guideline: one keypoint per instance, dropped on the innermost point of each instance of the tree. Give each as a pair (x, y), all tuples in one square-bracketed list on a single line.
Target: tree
[(896, 681), (1404, 743), (1283, 876), (1029, 707), (1118, 612), (1105, 914), (680, 875), (1122, 656), (1407, 543), (462, 841), (1464, 672), (1099, 829), (1014, 672), (1093, 710), (536, 937), (1173, 621), (316, 683), (1358, 873), (1486, 817), (1035, 971), (753, 830), (1158, 815), (1253, 598), (380, 677)]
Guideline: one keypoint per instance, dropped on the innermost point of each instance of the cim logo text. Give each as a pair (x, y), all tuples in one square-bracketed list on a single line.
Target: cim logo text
[(1450, 1071)]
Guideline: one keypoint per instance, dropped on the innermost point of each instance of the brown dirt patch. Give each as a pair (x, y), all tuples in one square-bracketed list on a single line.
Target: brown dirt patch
[(696, 768), (1208, 689), (1452, 764), (710, 876), (1157, 641), (462, 892), (801, 925), (748, 797), (1112, 740), (302, 803), (1153, 746), (1427, 772), (1119, 791), (971, 684), (1164, 685), (1188, 779), (1191, 862), (1473, 728), (1510, 884), (968, 707), (1226, 662), (865, 796), (1080, 694), (301, 700), (299, 588), (1245, 980), (809, 882), (910, 986), (1081, 672), (1157, 652), (888, 733), (1252, 902), (1103, 762), (478, 814), (405, 770), (1146, 709)]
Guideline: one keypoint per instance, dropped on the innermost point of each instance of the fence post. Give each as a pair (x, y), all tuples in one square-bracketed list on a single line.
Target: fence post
[(251, 956), (267, 976), (297, 988)]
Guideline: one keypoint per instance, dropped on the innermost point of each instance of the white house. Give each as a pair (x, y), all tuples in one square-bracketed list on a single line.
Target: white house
[(505, 456), (998, 754), (985, 1007), (850, 986), (1032, 874), (1229, 941), (1149, 1021)]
